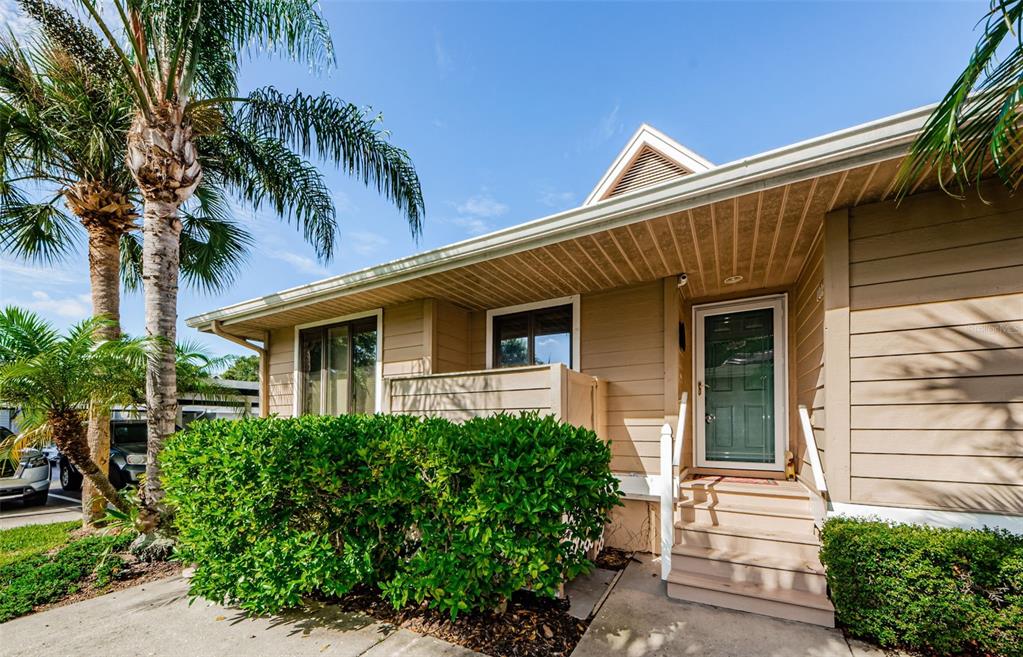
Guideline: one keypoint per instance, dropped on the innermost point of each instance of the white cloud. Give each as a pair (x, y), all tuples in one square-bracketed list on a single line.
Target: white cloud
[(11, 17), (363, 242), (607, 127), (553, 199), (301, 263), (74, 307), (472, 225), (474, 213), (25, 272), (481, 205), (441, 56)]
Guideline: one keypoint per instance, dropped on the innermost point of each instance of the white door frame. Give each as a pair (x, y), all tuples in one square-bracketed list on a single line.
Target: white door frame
[(779, 302)]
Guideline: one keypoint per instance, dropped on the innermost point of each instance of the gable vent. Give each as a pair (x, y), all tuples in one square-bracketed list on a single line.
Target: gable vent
[(649, 168)]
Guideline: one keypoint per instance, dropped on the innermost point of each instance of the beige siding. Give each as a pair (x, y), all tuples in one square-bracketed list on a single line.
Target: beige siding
[(477, 340), (807, 335), (936, 360), (282, 371), (623, 343), (451, 338), (405, 348)]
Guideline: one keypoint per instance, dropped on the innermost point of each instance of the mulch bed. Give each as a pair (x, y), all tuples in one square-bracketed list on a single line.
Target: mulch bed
[(531, 627)]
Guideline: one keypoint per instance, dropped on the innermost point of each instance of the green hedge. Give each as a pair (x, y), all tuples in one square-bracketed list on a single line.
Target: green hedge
[(946, 591), (460, 516)]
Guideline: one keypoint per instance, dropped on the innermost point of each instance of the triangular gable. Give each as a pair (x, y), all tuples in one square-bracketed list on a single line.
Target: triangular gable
[(650, 157)]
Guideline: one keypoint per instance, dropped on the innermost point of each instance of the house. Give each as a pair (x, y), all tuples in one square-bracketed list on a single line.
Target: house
[(763, 342)]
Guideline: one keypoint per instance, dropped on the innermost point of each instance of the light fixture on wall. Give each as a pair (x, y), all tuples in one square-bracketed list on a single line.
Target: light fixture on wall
[(732, 280)]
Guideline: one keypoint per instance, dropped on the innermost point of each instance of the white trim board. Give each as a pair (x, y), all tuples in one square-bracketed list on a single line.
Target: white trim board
[(536, 305), (861, 145), (933, 518), (296, 374)]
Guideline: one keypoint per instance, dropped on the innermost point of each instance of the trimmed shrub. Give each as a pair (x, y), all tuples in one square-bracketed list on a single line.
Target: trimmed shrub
[(946, 591), (457, 516)]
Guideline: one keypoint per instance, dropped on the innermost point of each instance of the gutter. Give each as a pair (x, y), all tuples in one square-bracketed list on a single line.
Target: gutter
[(866, 144), (264, 362)]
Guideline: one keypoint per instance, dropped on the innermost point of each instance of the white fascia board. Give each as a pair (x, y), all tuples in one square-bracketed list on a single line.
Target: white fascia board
[(646, 135), (865, 144)]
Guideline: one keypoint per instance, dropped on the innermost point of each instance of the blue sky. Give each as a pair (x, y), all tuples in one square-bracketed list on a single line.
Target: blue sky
[(512, 111)]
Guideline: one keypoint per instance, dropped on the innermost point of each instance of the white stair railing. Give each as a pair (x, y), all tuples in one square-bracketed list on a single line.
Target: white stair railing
[(671, 457), (667, 486), (819, 503)]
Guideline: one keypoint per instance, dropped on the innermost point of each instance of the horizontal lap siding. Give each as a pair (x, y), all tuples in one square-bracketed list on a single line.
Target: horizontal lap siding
[(808, 330), (451, 336), (282, 371), (404, 348), (460, 397), (622, 342), (477, 340), (936, 353)]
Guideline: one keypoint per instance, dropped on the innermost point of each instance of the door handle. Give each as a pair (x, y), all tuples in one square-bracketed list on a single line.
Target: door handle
[(710, 418)]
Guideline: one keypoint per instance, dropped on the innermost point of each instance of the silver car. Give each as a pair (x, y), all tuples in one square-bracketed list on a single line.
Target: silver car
[(28, 481)]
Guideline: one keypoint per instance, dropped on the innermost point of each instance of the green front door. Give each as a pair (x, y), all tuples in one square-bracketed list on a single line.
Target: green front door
[(739, 380)]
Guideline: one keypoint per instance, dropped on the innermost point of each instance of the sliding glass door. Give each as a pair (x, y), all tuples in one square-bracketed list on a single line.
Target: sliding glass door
[(339, 368)]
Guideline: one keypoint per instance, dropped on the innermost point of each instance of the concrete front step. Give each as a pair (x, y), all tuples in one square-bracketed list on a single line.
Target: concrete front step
[(769, 573), (781, 495), (793, 517), (794, 605), (742, 540)]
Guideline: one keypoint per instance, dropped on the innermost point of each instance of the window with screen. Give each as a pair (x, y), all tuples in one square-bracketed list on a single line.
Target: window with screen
[(338, 368), (533, 337)]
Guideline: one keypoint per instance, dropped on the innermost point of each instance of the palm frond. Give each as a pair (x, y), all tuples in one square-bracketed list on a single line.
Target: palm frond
[(343, 134), (23, 334), (213, 246), (976, 125), (35, 231), (74, 36)]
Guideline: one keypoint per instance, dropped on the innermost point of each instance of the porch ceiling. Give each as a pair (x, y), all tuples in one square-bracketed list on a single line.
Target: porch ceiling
[(763, 236)]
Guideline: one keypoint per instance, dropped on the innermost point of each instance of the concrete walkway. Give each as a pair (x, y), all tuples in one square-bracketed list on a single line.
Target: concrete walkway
[(639, 620), (156, 619)]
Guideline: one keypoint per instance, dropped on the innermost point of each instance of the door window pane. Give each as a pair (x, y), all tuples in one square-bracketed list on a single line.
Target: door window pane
[(364, 367), (339, 368), (511, 334), (739, 382), (338, 392), (312, 363)]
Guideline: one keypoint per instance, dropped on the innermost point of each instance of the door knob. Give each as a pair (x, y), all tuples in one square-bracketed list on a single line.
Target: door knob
[(710, 418)]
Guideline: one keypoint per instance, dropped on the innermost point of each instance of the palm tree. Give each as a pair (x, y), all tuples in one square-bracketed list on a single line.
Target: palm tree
[(56, 379), (65, 111), (181, 59), (976, 126)]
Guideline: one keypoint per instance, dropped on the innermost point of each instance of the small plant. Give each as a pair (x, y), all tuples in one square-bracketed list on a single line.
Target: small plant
[(455, 516), (944, 591)]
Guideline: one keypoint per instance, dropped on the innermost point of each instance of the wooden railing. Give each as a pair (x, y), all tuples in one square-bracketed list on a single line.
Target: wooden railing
[(819, 502), (556, 390), (671, 458)]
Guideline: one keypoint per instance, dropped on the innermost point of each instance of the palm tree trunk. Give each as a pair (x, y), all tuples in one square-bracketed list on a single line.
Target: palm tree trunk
[(105, 284), (161, 231), (69, 435), (106, 214), (162, 159)]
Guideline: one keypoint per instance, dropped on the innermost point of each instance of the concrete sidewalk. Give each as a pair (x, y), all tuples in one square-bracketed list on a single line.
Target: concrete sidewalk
[(639, 620), (156, 620)]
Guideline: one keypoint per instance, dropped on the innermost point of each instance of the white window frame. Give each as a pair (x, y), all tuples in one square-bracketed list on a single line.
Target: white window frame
[(779, 302), (296, 394), (536, 305)]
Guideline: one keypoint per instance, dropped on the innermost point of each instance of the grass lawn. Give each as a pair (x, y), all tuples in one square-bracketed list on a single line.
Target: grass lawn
[(22, 542)]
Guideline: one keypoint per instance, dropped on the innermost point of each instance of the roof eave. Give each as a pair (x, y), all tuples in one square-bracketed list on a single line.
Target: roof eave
[(871, 142)]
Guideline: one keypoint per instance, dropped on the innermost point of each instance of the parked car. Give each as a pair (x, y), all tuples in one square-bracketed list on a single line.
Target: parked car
[(28, 481), (51, 453), (127, 456)]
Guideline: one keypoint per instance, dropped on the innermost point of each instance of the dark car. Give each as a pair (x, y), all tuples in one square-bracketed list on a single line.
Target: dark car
[(127, 456)]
